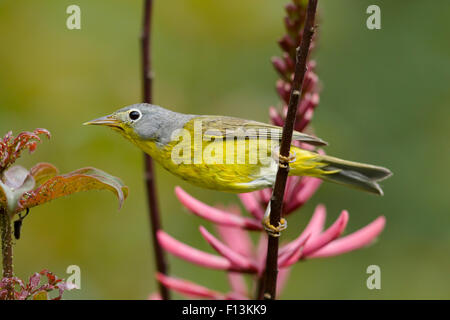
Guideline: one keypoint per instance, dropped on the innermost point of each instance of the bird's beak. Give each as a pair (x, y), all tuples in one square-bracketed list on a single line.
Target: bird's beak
[(108, 120)]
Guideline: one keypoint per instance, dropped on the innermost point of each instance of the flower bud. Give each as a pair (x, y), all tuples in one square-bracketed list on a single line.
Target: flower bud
[(280, 66), (287, 44)]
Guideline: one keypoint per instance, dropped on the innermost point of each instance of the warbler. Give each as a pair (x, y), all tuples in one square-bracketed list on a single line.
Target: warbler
[(232, 154)]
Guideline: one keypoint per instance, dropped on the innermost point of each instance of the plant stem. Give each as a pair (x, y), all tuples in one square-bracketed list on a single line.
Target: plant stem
[(271, 272), (259, 293), (147, 77), (7, 251)]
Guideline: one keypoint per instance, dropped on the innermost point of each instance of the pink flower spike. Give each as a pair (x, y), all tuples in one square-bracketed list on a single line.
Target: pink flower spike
[(353, 241), (284, 110), (154, 296), (312, 230), (283, 275), (298, 186), (328, 235), (237, 283), (265, 194), (298, 198), (291, 183), (238, 261), (252, 204), (215, 215), (289, 62), (306, 119), (235, 296), (191, 254), (188, 288), (317, 221), (312, 65), (261, 253), (296, 250), (311, 81), (283, 89), (304, 104), (280, 65), (275, 117), (236, 238)]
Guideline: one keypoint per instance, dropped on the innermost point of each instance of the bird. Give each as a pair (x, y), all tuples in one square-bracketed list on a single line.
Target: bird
[(232, 154)]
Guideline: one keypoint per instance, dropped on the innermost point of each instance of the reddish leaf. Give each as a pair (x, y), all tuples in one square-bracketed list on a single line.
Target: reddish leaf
[(43, 131), (52, 279), (23, 295), (43, 171), (35, 279), (33, 290), (11, 147), (80, 180), (32, 146)]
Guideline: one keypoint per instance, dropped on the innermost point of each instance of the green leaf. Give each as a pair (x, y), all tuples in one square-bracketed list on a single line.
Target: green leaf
[(80, 180), (15, 182)]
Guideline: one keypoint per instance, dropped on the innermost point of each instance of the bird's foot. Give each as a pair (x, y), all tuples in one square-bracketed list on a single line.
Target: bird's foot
[(284, 161), (271, 229)]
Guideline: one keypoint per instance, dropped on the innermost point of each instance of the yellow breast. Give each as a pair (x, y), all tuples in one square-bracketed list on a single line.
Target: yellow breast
[(232, 166)]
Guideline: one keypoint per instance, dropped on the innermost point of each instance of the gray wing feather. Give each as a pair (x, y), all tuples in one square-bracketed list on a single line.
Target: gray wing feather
[(215, 126)]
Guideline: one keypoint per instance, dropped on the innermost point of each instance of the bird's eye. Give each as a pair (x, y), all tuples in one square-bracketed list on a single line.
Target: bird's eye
[(134, 115)]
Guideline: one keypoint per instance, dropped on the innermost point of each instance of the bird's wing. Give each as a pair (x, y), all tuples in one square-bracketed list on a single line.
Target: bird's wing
[(220, 126)]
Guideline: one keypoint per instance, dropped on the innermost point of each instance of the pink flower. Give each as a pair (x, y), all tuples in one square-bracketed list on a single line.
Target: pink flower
[(216, 215), (193, 290), (237, 255)]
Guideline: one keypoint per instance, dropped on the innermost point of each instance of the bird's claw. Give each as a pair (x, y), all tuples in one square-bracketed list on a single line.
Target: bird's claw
[(271, 229), (283, 161)]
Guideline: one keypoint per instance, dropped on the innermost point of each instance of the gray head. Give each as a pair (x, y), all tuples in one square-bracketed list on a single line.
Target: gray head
[(145, 122)]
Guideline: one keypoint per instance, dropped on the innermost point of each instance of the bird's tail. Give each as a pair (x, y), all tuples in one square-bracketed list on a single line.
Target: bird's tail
[(353, 174)]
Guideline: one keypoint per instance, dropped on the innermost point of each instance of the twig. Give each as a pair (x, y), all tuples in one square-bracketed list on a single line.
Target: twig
[(147, 77), (7, 252), (271, 272)]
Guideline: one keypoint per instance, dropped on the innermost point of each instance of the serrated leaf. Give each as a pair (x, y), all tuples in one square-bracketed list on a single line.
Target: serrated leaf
[(80, 180)]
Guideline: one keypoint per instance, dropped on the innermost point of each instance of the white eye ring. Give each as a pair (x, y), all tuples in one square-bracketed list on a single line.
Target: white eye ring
[(134, 114)]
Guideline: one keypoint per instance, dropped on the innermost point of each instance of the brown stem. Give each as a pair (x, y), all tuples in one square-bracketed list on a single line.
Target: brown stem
[(7, 251), (259, 294), (147, 77), (271, 272)]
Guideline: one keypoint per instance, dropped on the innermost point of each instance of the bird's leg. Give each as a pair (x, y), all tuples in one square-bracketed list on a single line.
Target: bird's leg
[(271, 229), (282, 160)]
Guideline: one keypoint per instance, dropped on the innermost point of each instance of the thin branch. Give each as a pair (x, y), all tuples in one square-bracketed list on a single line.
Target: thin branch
[(259, 292), (147, 77), (271, 272), (7, 251)]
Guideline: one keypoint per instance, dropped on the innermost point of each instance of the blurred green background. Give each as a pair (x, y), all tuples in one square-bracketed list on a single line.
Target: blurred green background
[(385, 100)]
